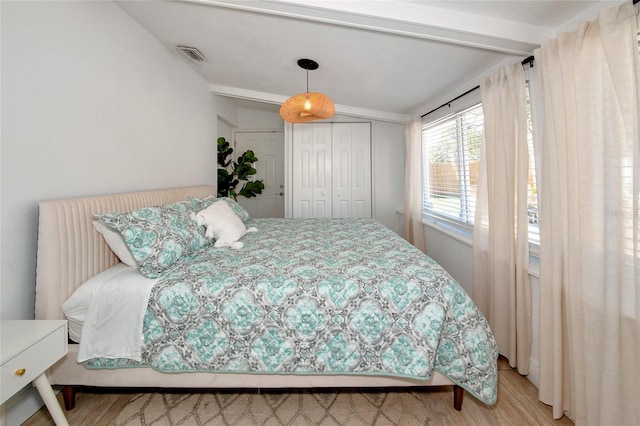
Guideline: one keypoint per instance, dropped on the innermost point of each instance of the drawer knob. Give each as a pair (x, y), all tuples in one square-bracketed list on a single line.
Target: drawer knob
[(21, 372)]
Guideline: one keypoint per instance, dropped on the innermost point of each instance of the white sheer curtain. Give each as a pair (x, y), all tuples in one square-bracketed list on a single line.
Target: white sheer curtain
[(500, 234), (589, 221), (413, 230)]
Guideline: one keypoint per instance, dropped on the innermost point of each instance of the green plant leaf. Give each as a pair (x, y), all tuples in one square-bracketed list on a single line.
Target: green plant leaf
[(243, 171), (225, 181), (224, 151), (248, 157), (231, 173), (252, 188)]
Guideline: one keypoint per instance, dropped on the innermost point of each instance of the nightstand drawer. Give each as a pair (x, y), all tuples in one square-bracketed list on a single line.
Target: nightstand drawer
[(34, 360)]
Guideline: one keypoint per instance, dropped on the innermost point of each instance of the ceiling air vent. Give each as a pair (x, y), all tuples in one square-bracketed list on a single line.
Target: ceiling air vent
[(192, 54)]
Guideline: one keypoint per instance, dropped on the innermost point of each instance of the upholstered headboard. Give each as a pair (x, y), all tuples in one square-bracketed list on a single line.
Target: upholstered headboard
[(70, 250)]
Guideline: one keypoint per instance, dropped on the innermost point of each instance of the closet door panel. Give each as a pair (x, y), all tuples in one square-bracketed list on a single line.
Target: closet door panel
[(341, 160), (322, 170), (361, 170), (332, 170), (341, 208), (303, 171), (321, 209), (352, 176), (304, 210)]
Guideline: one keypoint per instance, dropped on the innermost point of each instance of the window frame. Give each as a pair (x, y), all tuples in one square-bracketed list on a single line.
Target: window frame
[(452, 227), (449, 224)]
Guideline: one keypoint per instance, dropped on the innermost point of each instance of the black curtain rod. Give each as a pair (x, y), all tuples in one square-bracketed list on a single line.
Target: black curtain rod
[(526, 61), (449, 103)]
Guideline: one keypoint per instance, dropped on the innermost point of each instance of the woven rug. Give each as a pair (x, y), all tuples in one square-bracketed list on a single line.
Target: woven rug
[(276, 408)]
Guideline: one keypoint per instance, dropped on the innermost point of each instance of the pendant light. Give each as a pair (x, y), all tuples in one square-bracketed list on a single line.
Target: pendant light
[(307, 106)]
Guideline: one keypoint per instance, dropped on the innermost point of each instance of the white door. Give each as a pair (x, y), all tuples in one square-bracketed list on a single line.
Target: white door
[(268, 147), (312, 170), (351, 164), (321, 171), (331, 170), (302, 171)]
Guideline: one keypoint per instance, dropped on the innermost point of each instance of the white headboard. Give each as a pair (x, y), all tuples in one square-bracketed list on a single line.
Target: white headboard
[(70, 250)]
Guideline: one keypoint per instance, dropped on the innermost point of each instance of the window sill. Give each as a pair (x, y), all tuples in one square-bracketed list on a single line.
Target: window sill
[(461, 235), (466, 237)]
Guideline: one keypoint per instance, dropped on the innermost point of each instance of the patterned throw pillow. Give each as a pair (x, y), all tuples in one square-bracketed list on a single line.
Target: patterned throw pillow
[(114, 240), (158, 237), (237, 208)]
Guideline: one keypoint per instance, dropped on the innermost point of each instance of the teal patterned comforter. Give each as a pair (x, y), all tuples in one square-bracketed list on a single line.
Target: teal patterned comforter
[(342, 296)]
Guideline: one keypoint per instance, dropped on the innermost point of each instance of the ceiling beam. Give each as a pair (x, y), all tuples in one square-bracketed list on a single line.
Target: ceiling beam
[(405, 18), (270, 98)]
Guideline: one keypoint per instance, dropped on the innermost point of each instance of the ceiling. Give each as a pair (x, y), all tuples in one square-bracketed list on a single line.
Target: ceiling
[(379, 59)]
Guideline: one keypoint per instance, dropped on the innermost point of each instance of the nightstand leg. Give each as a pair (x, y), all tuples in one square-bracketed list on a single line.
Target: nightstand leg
[(49, 398)]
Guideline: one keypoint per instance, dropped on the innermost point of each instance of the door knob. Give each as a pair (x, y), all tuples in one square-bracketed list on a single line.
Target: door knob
[(280, 193)]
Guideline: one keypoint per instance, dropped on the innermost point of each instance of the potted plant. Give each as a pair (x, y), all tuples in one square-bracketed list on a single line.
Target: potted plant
[(231, 173)]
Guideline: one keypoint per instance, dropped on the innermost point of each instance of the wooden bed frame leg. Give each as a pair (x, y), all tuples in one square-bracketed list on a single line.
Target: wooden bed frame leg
[(69, 396), (458, 394)]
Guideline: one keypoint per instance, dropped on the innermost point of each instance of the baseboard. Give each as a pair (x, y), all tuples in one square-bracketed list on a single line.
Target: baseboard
[(534, 372), (22, 405)]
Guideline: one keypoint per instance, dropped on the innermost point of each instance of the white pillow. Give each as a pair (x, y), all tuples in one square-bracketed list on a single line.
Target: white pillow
[(115, 242), (222, 224), (75, 308)]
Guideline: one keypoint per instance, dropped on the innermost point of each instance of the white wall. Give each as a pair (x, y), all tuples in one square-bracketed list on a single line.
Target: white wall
[(387, 156), (256, 119), (224, 129), (453, 254), (91, 103), (226, 110)]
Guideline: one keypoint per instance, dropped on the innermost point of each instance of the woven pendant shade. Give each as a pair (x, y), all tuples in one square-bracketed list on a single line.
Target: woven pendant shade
[(307, 107)]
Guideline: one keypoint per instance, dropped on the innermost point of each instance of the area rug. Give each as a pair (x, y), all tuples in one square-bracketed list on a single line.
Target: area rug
[(275, 408)]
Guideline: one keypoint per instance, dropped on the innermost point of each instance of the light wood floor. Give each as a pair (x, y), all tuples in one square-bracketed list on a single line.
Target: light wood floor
[(517, 405)]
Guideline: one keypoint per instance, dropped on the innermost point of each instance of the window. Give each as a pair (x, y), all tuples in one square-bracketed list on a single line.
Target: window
[(451, 154), (451, 151), (532, 188)]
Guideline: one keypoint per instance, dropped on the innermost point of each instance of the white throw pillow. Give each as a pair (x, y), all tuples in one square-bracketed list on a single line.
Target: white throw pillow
[(115, 242), (222, 224)]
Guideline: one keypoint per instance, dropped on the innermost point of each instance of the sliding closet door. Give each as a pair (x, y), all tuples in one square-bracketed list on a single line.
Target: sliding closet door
[(331, 170), (351, 170), (312, 170)]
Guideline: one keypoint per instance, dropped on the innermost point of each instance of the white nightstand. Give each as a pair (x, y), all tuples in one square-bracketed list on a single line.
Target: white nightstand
[(27, 349)]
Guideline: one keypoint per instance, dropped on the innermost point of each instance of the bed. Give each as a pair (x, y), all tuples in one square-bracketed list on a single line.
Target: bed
[(303, 304)]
